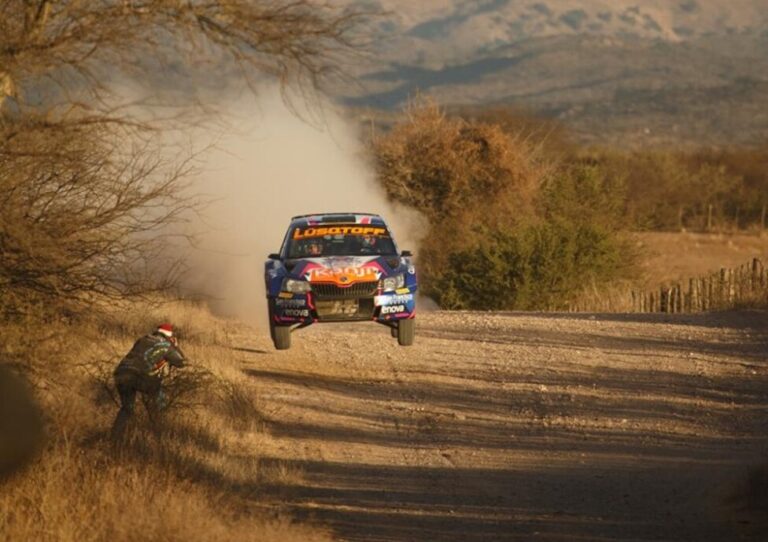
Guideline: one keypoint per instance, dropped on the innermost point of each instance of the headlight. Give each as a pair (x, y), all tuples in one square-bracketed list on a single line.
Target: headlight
[(296, 286), (390, 284)]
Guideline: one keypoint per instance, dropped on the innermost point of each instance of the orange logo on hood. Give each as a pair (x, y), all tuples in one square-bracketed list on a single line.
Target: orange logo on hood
[(344, 276)]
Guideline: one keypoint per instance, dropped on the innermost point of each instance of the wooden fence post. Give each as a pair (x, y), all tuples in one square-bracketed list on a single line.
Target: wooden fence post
[(721, 287), (671, 299), (720, 290), (691, 304)]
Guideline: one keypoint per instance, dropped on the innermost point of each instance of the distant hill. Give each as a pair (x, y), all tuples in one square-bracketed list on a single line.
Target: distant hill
[(632, 72)]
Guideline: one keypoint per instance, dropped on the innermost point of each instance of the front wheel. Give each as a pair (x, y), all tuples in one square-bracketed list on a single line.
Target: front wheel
[(281, 336), (406, 332)]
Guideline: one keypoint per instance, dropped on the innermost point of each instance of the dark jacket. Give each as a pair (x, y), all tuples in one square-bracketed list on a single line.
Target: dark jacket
[(149, 356)]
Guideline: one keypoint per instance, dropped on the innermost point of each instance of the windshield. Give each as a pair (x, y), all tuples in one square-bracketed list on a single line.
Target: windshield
[(340, 240)]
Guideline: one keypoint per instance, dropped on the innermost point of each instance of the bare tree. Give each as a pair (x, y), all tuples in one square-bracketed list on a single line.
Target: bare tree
[(84, 193), (81, 218), (300, 42)]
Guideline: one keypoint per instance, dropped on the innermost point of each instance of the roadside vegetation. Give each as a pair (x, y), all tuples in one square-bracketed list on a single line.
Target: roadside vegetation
[(704, 189), (523, 218), (708, 190), (89, 195), (511, 227), (201, 478)]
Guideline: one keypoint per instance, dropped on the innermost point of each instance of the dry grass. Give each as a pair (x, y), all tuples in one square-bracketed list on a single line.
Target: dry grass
[(199, 480), (670, 257), (75, 494)]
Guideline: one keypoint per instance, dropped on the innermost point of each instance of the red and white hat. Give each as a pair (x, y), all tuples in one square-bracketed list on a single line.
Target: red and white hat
[(165, 329)]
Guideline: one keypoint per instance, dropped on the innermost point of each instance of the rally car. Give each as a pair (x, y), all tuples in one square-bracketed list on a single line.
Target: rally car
[(340, 267)]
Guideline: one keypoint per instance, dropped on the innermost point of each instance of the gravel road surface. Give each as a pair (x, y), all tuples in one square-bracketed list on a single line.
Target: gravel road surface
[(520, 426)]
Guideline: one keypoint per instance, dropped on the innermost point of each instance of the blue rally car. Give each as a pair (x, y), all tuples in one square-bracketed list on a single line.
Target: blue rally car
[(340, 267)]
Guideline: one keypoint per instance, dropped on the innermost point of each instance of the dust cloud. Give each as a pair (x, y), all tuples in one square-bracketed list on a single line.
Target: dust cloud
[(270, 163)]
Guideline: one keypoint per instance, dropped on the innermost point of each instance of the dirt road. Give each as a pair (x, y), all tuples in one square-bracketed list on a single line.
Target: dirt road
[(520, 427)]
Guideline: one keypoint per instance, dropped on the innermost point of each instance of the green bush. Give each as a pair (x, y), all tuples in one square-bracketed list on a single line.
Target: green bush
[(547, 263), (538, 267)]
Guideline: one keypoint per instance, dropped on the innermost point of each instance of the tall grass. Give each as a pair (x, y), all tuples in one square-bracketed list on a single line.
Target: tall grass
[(196, 480), (75, 494)]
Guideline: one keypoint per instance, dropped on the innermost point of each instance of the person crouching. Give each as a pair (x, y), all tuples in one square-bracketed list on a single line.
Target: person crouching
[(142, 371)]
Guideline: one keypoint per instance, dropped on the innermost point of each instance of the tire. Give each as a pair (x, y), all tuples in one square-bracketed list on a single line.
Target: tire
[(406, 332), (393, 331), (271, 317), (281, 337)]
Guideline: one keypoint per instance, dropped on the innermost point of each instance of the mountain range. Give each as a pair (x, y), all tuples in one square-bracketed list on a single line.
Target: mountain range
[(642, 72)]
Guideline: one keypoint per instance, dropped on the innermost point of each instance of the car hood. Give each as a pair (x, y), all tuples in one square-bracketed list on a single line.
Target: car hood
[(345, 270)]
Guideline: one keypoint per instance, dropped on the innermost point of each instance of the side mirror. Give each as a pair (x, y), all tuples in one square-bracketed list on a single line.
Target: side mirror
[(406, 254), (274, 256)]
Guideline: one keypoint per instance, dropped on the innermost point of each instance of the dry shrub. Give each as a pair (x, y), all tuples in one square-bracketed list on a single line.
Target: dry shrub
[(453, 170), (239, 406), (76, 46), (88, 185), (280, 474), (462, 176)]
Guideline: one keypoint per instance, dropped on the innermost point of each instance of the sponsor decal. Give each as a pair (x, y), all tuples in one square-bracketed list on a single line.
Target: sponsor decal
[(285, 295), (343, 275), (402, 291), (290, 303), (393, 309), (411, 270), (384, 300), (297, 313), (309, 232)]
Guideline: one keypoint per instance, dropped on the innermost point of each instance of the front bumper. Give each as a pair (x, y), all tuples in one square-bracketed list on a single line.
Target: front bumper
[(331, 303)]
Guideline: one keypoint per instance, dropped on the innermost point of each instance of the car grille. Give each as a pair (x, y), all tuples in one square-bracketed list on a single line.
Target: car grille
[(344, 309), (331, 291)]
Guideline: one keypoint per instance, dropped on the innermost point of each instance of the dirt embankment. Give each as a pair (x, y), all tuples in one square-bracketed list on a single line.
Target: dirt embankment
[(519, 427)]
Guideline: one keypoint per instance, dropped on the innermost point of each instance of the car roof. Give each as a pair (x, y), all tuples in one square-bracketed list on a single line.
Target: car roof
[(337, 218)]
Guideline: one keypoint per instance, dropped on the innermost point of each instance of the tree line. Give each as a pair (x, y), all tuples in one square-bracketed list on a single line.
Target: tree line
[(523, 218), (702, 190), (666, 189)]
